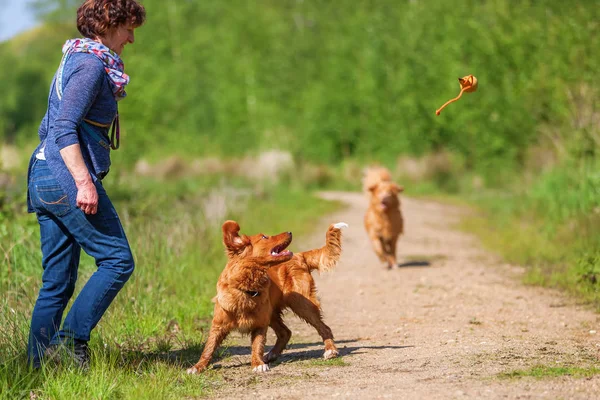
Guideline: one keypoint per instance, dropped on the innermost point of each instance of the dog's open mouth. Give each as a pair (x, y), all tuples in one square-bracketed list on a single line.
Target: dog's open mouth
[(280, 250), (387, 201)]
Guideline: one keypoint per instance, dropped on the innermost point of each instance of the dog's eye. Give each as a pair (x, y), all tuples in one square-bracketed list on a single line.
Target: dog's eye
[(264, 237)]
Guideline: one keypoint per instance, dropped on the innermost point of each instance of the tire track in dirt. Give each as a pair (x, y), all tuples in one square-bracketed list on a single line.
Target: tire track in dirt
[(442, 326)]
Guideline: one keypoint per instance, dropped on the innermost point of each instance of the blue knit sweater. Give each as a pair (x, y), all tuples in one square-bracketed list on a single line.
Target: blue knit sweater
[(86, 95)]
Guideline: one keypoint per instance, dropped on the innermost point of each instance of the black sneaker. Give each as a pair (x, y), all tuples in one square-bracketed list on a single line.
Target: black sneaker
[(77, 353)]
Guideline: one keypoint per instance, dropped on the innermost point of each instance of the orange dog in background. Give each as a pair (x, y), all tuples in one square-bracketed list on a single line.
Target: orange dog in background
[(260, 280), (383, 219)]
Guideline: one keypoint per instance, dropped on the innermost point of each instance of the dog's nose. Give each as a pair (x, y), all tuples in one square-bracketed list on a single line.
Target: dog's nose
[(290, 234)]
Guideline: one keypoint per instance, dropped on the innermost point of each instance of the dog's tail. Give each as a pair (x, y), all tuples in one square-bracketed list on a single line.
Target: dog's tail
[(374, 175), (326, 258)]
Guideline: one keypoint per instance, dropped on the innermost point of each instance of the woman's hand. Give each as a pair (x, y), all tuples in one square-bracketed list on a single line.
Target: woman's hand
[(87, 197)]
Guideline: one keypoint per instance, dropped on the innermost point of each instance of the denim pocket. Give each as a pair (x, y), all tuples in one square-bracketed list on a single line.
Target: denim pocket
[(53, 199)]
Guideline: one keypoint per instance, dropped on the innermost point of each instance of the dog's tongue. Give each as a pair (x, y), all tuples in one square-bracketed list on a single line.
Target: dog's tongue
[(383, 206)]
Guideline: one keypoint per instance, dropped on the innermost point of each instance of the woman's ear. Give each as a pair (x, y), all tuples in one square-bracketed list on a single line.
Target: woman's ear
[(234, 243)]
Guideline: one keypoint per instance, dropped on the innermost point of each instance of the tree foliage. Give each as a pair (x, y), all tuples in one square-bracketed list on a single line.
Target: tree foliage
[(330, 80)]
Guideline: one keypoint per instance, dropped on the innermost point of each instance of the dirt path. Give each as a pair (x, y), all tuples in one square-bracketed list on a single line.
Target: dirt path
[(439, 331)]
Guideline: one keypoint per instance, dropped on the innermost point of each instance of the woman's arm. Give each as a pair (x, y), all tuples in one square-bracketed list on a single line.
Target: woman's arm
[(87, 196), (80, 91)]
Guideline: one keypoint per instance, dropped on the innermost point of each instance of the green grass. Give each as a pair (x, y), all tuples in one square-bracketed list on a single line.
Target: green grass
[(566, 259), (551, 226), (544, 372), (156, 326)]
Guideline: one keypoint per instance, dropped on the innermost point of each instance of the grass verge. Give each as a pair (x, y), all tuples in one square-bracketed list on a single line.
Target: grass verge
[(551, 226), (544, 372)]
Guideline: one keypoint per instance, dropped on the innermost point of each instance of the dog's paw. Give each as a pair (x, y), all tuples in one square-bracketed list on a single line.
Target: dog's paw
[(269, 357), (261, 368), (340, 225), (193, 371), (329, 354)]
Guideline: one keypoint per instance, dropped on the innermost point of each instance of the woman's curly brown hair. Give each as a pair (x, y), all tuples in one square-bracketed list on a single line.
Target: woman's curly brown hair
[(96, 17)]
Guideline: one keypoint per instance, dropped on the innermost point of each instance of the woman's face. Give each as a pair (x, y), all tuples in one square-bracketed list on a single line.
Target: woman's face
[(117, 38)]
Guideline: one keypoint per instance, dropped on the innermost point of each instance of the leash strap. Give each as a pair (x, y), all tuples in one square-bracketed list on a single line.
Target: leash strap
[(116, 128)]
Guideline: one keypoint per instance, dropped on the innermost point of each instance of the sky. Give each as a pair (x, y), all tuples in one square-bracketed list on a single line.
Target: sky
[(15, 17)]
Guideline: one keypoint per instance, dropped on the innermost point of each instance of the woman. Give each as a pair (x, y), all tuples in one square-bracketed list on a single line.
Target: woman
[(64, 182)]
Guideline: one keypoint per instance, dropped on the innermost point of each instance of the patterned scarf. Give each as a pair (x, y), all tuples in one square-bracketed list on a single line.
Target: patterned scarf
[(112, 62)]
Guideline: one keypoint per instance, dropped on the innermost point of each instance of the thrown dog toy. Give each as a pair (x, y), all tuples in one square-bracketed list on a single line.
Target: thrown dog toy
[(467, 84)]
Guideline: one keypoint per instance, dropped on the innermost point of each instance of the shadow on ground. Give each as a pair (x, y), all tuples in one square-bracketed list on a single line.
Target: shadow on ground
[(414, 264), (295, 352), (421, 260)]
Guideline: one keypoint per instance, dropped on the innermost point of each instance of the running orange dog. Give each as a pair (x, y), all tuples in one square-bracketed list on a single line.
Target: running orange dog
[(260, 280), (383, 219)]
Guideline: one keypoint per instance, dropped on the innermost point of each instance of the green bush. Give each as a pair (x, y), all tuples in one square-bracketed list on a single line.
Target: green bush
[(332, 80)]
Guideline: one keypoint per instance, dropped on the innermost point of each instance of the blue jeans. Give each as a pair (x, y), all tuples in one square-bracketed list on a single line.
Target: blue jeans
[(64, 231)]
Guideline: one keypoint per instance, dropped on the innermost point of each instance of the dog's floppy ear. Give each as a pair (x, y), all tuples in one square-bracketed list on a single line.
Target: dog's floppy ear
[(397, 188), (234, 243)]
